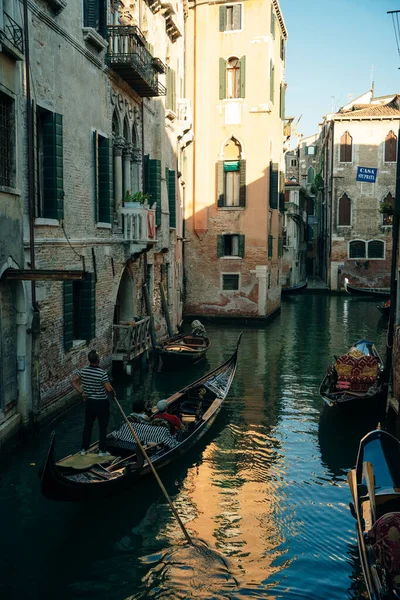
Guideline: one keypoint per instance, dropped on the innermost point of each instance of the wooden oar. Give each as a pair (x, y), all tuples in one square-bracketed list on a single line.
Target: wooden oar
[(160, 483)]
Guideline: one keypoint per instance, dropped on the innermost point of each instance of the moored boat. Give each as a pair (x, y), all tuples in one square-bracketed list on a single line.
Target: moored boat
[(375, 488), (77, 478), (385, 309), (360, 291), (355, 380), (183, 349), (294, 289)]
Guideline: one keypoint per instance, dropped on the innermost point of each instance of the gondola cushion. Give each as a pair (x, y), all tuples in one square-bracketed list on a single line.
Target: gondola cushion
[(356, 374), (122, 437), (385, 536)]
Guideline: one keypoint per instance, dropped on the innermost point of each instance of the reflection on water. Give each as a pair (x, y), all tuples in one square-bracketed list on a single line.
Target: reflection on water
[(265, 489)]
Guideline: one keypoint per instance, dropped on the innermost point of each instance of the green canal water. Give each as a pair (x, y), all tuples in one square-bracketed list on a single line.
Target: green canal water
[(264, 494)]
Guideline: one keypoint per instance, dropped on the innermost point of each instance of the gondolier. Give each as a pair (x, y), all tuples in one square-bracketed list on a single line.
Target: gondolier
[(93, 383)]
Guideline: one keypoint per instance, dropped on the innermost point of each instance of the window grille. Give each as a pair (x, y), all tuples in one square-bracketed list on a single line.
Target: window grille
[(230, 282), (357, 249), (376, 249)]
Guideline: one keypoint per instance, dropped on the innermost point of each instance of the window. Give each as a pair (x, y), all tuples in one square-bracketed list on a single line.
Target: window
[(6, 141), (293, 162), (48, 172), (310, 175), (273, 185), (95, 15), (170, 178), (282, 98), (270, 246), (79, 310), (232, 183), (310, 207), (170, 100), (357, 249), (232, 77), (230, 282), (280, 246), (372, 249), (390, 147), (344, 210), (230, 245), (282, 52), (152, 183), (271, 81), (230, 17), (309, 150), (376, 249), (273, 19), (103, 187), (387, 218), (346, 147)]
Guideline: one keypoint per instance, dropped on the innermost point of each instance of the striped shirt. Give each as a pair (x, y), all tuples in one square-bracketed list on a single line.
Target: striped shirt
[(93, 380)]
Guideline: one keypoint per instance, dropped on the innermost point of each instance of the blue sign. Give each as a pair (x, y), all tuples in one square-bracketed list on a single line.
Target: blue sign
[(366, 174)]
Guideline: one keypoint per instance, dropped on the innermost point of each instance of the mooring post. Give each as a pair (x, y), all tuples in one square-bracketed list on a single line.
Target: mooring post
[(149, 314)]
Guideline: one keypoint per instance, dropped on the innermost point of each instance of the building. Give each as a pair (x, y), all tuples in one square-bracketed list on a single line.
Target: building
[(360, 138), (102, 216), (295, 231), (234, 173)]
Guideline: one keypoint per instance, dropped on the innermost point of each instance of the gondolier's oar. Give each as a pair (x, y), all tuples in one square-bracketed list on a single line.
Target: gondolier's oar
[(160, 483)]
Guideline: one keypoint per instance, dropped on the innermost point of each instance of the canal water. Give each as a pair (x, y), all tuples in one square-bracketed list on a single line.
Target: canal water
[(264, 494)]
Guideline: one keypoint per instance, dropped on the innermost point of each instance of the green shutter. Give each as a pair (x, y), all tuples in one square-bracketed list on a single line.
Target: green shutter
[(173, 106), (273, 22), (96, 175), (53, 176), (68, 312), (154, 185), (222, 18), (282, 101), (270, 246), (273, 185), (242, 63), (91, 13), (222, 78), (241, 246), (171, 182), (272, 82), (103, 5), (306, 150), (220, 246), (87, 317), (105, 179), (220, 183), (242, 184), (236, 17), (146, 176)]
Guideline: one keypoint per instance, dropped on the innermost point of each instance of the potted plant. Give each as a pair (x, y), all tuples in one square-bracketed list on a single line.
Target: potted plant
[(386, 208), (136, 199)]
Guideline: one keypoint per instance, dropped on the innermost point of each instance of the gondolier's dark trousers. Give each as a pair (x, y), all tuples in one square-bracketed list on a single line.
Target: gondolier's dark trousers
[(101, 410)]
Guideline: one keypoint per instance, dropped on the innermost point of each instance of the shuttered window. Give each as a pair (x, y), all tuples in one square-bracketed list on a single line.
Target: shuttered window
[(49, 173), (344, 210), (310, 174), (390, 147), (280, 246), (346, 147), (282, 101), (273, 185), (230, 245), (170, 100), (230, 17), (171, 184), (273, 19), (103, 185), (232, 78), (271, 81), (79, 310), (95, 15), (152, 184), (270, 246)]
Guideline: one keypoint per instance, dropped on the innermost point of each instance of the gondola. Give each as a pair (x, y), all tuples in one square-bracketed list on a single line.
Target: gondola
[(375, 487), (183, 349), (385, 309), (359, 291), (355, 380), (198, 404), (294, 289)]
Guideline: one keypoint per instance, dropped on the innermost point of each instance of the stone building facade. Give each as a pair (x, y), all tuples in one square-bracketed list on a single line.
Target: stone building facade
[(107, 81), (361, 134), (234, 174)]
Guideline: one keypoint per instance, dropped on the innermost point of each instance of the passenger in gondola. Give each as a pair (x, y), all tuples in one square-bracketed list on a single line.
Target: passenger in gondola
[(174, 422), (139, 413)]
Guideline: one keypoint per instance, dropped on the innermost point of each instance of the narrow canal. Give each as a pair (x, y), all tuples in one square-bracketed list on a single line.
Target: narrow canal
[(266, 488)]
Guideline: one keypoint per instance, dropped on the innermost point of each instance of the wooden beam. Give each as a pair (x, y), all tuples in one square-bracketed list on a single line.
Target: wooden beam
[(43, 275)]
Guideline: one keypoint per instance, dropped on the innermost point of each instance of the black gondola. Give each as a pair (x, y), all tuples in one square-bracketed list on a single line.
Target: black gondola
[(385, 309), (294, 289), (359, 291), (355, 380), (198, 404), (183, 349), (375, 487)]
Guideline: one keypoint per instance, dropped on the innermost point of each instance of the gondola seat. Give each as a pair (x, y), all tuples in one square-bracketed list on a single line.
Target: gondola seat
[(385, 536), (356, 374), (122, 439)]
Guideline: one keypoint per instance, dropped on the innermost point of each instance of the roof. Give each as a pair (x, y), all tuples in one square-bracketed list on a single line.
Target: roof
[(358, 111)]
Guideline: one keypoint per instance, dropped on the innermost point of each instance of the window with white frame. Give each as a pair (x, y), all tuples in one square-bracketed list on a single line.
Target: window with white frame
[(373, 249), (230, 17)]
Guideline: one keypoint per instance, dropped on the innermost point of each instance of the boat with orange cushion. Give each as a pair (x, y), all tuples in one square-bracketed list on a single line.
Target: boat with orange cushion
[(355, 379), (375, 487)]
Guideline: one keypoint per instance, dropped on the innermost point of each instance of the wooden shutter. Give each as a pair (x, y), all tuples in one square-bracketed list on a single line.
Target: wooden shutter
[(220, 246), (220, 183), (53, 177), (344, 210), (103, 6), (91, 13), (222, 18), (272, 22), (237, 21), (171, 182), (96, 176), (242, 65), (241, 246), (68, 314), (346, 142), (222, 78), (390, 147), (105, 179), (87, 317), (35, 159), (154, 185), (272, 82), (242, 183), (273, 185), (282, 100)]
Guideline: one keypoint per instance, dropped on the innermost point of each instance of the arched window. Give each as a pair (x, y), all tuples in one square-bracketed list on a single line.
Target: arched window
[(390, 147), (310, 174), (376, 249), (357, 249), (233, 78), (387, 217), (344, 210), (346, 147)]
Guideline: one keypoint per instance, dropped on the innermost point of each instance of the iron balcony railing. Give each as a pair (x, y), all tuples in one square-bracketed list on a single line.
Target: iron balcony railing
[(129, 57), (12, 33)]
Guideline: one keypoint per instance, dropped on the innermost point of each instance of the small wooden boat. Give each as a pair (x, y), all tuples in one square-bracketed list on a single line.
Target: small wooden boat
[(355, 380), (375, 487), (385, 309), (183, 349), (359, 291), (294, 289), (76, 478)]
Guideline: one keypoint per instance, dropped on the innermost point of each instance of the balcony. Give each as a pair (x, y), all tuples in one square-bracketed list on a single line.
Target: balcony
[(139, 227), (11, 38), (129, 57), (131, 339)]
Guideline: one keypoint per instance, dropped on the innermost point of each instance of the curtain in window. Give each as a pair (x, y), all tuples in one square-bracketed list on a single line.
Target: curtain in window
[(344, 210), (232, 186)]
